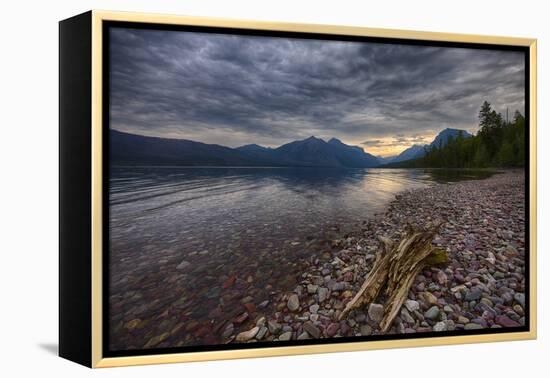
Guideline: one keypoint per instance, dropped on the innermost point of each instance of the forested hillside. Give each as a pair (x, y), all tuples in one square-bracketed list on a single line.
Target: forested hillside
[(497, 144)]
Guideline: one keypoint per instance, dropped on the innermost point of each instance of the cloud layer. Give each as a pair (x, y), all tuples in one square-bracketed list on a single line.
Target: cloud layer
[(233, 90)]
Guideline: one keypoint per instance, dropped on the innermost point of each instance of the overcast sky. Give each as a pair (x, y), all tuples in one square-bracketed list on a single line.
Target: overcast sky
[(235, 90)]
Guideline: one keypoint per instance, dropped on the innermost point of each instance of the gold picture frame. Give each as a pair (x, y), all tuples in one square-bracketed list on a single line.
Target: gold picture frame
[(94, 265)]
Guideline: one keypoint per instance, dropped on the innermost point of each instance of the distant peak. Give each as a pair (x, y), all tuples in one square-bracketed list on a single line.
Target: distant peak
[(252, 147), (313, 138), (453, 130), (335, 140)]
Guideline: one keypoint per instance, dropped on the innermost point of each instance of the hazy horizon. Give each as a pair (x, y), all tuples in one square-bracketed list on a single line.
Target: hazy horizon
[(235, 90)]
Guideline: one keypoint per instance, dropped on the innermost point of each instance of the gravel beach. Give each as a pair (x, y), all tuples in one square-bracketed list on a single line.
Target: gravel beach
[(482, 286), (274, 297)]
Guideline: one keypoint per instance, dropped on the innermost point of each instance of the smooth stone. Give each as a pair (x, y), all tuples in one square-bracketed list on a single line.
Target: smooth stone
[(312, 330), (517, 308), (487, 302), (332, 329), (303, 336), (472, 295), (323, 294), (274, 327), (293, 303), (442, 278), (432, 313), (411, 305), (376, 312), (428, 297), (505, 321), (261, 333), (366, 330), (261, 321), (247, 335), (314, 308), (520, 298), (463, 319), (507, 297), (312, 289), (406, 316), (285, 336), (440, 327), (472, 326)]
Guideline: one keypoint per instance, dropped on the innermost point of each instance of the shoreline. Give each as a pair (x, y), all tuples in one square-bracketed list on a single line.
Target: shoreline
[(481, 287)]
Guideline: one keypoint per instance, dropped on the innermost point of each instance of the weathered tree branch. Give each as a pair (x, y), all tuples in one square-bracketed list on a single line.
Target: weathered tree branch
[(395, 268)]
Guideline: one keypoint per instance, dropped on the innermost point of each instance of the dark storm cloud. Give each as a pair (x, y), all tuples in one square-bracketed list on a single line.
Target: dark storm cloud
[(234, 90)]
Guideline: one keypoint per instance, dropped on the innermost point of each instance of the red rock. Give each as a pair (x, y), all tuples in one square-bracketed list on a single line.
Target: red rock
[(210, 340), (203, 331), (241, 318), (332, 329), (250, 307), (229, 282), (505, 321)]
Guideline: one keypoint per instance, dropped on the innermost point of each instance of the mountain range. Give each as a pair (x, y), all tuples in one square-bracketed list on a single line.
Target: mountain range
[(417, 151), (135, 149)]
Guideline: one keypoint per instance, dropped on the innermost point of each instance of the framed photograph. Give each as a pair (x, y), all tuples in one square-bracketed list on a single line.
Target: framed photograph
[(235, 189)]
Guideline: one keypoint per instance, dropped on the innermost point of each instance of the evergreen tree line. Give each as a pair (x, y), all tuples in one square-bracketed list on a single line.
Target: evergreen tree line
[(498, 143)]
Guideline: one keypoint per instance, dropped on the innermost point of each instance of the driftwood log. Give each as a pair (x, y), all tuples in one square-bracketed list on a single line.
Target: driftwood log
[(394, 271)]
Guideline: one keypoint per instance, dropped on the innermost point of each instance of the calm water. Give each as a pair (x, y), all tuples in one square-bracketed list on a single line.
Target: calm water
[(200, 207), (253, 223)]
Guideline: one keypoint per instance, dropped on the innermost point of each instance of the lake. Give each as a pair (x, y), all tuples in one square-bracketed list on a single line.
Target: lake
[(191, 247)]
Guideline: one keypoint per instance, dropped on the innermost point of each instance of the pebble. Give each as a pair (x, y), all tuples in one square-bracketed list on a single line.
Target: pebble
[(376, 312), (472, 326), (261, 333), (285, 336), (427, 297), (520, 298), (432, 313), (366, 330), (332, 329), (293, 303), (247, 335), (182, 265), (274, 327), (323, 294), (505, 321), (411, 305), (312, 330), (312, 289), (303, 336), (473, 295), (314, 308)]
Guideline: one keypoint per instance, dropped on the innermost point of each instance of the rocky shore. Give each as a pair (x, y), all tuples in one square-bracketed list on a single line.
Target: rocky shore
[(298, 291), (482, 286)]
